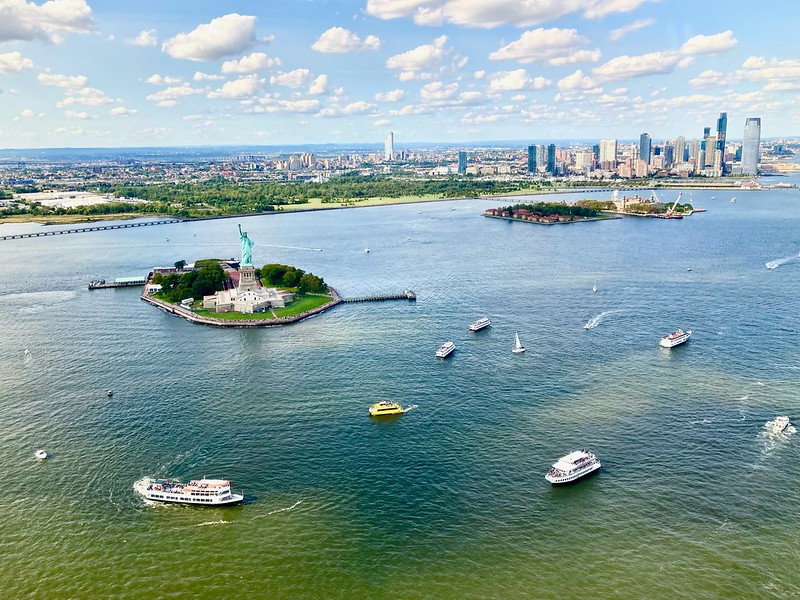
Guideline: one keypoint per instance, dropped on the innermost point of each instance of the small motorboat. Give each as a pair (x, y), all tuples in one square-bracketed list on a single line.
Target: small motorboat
[(366, 250), (385, 409), (110, 393), (779, 424), (41, 455)]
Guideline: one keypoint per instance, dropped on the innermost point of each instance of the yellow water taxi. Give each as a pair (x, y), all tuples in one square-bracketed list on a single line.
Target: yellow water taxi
[(382, 409)]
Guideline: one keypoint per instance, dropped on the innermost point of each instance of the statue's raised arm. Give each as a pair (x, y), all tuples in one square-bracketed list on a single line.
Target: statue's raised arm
[(246, 245)]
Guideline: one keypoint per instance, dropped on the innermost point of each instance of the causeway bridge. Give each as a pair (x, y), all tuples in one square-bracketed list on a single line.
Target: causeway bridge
[(20, 236)]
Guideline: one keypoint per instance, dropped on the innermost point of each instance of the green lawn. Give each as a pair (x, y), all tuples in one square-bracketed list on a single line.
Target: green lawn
[(301, 304)]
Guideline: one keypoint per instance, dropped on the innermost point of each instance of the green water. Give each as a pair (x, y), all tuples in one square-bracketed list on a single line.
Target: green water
[(696, 499)]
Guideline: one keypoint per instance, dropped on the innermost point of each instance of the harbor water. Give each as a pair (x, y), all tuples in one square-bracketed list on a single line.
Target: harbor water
[(696, 498)]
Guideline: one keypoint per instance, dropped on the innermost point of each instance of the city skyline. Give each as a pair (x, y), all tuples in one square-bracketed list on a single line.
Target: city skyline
[(89, 73)]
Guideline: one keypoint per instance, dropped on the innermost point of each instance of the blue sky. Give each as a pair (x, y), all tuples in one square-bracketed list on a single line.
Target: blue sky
[(188, 72)]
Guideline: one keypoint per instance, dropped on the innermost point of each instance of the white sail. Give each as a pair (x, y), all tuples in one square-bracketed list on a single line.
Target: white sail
[(518, 347)]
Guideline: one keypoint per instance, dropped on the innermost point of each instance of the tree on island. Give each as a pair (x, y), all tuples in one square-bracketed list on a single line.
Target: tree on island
[(180, 264), (292, 277), (207, 280)]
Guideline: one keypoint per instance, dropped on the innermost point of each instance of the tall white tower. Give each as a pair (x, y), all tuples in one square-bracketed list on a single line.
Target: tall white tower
[(388, 147)]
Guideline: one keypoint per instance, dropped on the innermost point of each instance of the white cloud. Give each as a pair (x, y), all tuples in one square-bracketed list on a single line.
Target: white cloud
[(14, 62), (479, 74), (340, 40), (121, 111), (354, 108), (381, 122), (624, 67), (710, 44), (27, 114), (157, 79), (577, 81), (292, 79), (318, 86), (391, 96), (64, 81), (487, 15), (73, 114), (757, 68), (238, 89), (169, 97), (146, 37), (554, 46), (427, 56), (257, 61), (200, 76), (23, 20), (598, 9), (87, 96), (516, 80), (223, 36), (708, 78), (438, 91), (620, 32)]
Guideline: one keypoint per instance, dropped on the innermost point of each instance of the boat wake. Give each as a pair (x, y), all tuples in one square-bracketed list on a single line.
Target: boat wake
[(409, 408), (774, 264), (280, 510), (597, 319), (219, 522)]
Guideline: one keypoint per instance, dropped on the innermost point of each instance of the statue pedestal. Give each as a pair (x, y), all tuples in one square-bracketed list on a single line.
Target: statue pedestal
[(247, 279)]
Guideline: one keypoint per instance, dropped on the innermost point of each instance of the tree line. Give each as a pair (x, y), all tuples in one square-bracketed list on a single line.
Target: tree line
[(555, 208), (292, 277), (205, 281)]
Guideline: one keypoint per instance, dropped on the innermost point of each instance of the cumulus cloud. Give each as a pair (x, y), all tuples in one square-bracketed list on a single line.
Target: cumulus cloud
[(757, 68), (157, 79), (710, 44), (708, 78), (620, 32), (238, 89), (14, 62), (354, 108), (87, 96), (64, 81), (291, 79), (146, 37), (516, 80), (554, 46), (319, 86), (340, 40), (421, 58), (257, 61), (23, 20), (391, 96), (577, 81), (169, 97), (121, 111), (74, 114), (438, 91), (223, 36), (625, 67), (483, 14), (200, 76)]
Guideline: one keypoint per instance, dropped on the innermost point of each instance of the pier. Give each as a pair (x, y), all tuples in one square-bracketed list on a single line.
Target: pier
[(99, 284), (21, 236), (407, 295)]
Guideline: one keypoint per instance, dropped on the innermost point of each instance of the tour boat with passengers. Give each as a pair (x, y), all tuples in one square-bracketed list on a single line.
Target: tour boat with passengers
[(779, 424), (445, 350), (675, 338), (572, 467), (203, 492), (385, 409), (481, 323)]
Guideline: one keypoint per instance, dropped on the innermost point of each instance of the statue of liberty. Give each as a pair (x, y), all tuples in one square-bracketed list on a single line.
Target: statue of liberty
[(246, 244)]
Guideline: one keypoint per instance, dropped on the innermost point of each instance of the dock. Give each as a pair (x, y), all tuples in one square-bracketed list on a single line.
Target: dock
[(21, 236), (100, 284), (406, 295)]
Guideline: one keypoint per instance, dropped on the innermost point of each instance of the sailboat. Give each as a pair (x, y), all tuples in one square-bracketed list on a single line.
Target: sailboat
[(518, 347), (594, 287)]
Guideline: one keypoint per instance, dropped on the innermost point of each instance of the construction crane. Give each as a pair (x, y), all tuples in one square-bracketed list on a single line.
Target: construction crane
[(671, 210)]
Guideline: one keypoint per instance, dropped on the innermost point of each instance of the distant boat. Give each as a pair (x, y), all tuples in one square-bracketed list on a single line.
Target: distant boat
[(733, 200), (481, 323), (675, 338), (41, 454), (780, 424), (366, 250), (110, 393), (445, 350), (594, 287), (518, 347)]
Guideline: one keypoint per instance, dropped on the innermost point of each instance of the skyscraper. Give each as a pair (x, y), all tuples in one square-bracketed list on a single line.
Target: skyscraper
[(532, 160), (551, 159), (608, 154), (388, 147), (719, 146), (645, 143), (462, 162), (751, 146), (680, 149)]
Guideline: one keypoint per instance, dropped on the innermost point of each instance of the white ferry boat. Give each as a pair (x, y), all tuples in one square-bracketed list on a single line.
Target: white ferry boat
[(675, 338), (572, 467), (204, 492), (445, 350), (481, 323), (779, 424)]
